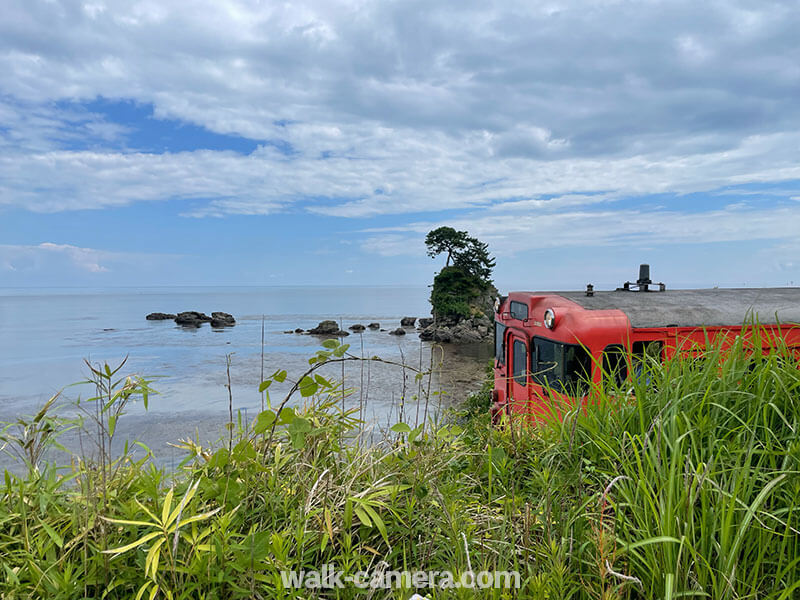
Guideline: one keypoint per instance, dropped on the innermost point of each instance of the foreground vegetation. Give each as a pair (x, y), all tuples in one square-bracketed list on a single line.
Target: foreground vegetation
[(686, 487)]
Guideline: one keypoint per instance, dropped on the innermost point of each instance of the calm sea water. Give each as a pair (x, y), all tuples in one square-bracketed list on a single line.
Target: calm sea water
[(45, 334)]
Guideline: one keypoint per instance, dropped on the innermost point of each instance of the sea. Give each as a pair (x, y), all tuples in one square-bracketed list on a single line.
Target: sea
[(48, 335)]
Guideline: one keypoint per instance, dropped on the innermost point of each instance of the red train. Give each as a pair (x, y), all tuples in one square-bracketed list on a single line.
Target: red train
[(548, 345)]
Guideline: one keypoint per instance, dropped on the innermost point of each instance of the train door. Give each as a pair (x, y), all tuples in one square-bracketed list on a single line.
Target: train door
[(518, 371)]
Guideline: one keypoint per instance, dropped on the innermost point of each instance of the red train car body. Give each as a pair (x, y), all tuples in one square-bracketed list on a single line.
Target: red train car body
[(549, 344)]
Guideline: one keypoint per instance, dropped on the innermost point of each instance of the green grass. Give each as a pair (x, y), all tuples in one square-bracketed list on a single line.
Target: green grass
[(684, 486)]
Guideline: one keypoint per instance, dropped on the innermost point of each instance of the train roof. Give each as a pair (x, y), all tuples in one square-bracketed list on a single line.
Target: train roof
[(692, 308)]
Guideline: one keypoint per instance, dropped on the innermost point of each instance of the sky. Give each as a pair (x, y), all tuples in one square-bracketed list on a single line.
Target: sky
[(223, 142)]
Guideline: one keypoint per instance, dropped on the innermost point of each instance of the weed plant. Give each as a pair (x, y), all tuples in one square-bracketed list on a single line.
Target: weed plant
[(683, 482)]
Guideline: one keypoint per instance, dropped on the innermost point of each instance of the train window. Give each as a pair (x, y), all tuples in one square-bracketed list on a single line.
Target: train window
[(563, 367), (520, 362), (577, 369), (616, 360), (546, 368), (615, 365), (499, 343), (518, 310)]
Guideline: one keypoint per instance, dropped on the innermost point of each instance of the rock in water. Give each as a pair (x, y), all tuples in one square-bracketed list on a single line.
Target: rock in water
[(222, 319), (192, 318), (423, 323), (299, 330), (358, 328), (408, 321), (157, 316), (328, 327), (398, 331), (374, 325)]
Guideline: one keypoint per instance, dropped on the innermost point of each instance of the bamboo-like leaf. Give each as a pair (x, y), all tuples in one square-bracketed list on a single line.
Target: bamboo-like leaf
[(362, 516), (155, 520), (143, 589), (132, 545), (187, 497), (377, 520), (53, 535), (167, 506), (127, 522), (151, 562)]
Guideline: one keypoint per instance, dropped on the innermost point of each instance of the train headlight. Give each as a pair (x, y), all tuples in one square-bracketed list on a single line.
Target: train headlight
[(496, 304), (549, 318)]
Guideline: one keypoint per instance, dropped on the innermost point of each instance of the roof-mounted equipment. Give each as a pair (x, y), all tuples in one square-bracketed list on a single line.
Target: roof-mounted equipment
[(643, 283)]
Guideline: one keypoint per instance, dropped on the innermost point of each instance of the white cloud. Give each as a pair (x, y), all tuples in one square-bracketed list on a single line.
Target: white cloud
[(524, 231), (50, 258), (394, 108)]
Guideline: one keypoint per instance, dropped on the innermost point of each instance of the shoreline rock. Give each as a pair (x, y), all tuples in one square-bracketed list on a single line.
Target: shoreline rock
[(159, 316), (192, 318), (408, 321), (463, 331), (328, 327), (222, 319)]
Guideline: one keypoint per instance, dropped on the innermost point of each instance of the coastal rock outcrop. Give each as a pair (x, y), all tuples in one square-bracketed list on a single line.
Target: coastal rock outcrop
[(358, 328), (192, 318), (374, 325), (159, 316), (424, 322), (328, 327), (478, 326), (398, 331), (222, 319), (408, 321)]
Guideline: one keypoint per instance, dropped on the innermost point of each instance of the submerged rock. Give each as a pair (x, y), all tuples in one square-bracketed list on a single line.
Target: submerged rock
[(192, 318), (328, 327), (222, 319), (159, 316)]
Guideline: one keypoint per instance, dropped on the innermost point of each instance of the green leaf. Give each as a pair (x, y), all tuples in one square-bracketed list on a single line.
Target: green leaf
[(53, 535), (307, 387), (112, 424), (264, 421), (339, 352), (331, 344), (300, 424), (414, 434), (280, 376), (362, 516), (264, 385), (287, 415), (132, 545), (400, 428)]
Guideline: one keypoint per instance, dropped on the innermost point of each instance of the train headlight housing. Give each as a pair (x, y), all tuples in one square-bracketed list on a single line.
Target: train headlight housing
[(496, 304), (550, 318)]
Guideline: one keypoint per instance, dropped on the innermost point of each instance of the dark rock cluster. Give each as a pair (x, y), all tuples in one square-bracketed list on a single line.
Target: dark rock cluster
[(193, 318), (463, 331), (328, 327), (158, 316)]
